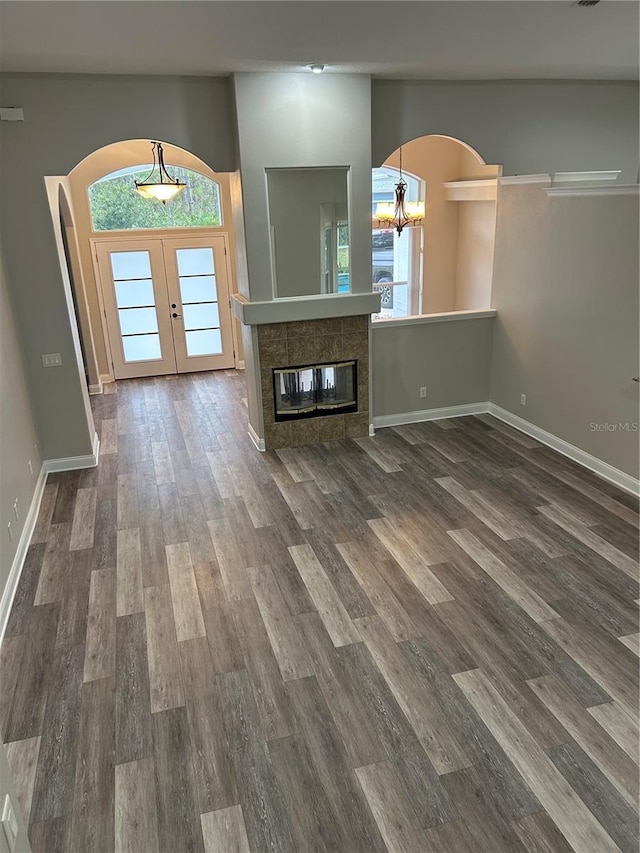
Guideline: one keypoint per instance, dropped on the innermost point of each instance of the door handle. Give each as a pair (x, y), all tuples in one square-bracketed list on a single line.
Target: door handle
[(176, 315)]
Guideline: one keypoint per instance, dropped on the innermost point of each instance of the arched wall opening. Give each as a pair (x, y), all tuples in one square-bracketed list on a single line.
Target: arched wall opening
[(450, 256), (103, 162)]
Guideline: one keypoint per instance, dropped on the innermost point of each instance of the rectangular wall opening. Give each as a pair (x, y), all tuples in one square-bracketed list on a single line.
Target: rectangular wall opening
[(310, 391)]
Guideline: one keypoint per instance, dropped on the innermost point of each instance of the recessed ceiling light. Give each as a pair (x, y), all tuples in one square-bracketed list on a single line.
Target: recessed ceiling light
[(317, 67)]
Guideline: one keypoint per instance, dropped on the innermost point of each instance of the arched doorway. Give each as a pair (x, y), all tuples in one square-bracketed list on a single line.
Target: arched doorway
[(446, 263), (156, 277)]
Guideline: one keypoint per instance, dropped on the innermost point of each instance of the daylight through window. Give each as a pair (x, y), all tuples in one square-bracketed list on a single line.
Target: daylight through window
[(395, 257), (116, 206)]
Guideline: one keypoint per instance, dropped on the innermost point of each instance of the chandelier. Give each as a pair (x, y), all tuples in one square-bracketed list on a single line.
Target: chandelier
[(163, 189), (400, 213)]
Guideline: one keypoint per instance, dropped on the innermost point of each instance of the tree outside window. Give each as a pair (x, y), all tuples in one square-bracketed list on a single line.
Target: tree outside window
[(116, 206)]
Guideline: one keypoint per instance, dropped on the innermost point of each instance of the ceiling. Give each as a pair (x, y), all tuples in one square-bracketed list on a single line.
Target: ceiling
[(415, 39)]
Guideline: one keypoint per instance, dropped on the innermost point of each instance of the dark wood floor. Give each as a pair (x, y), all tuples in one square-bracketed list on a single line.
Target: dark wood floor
[(423, 641)]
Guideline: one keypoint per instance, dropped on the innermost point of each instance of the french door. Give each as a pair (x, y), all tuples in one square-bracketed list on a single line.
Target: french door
[(166, 303)]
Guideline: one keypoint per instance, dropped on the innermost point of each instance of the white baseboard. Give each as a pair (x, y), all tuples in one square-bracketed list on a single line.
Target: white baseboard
[(95, 389), (106, 377), (603, 469), (240, 365), (428, 415), (15, 571), (73, 463), (255, 438), (372, 430)]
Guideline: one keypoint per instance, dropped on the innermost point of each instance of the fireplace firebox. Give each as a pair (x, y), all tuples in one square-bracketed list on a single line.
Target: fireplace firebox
[(315, 390)]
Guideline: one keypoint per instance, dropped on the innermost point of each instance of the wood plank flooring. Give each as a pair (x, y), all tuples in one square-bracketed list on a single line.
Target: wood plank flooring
[(421, 642)]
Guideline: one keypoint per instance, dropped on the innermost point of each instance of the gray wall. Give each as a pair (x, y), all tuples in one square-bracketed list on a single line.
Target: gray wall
[(529, 127), (6, 787), (295, 216), (566, 335), (301, 120), (66, 118), (17, 435), (453, 360)]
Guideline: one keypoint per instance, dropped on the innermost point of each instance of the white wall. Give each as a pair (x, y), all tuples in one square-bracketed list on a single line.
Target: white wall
[(566, 334)]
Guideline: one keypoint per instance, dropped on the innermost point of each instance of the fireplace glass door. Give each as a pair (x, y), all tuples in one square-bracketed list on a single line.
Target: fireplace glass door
[(315, 390)]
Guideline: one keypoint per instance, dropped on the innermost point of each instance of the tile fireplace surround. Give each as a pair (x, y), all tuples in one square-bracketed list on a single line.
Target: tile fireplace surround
[(331, 339)]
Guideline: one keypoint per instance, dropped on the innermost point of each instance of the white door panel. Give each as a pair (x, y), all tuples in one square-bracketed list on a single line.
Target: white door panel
[(134, 291), (198, 286), (167, 304)]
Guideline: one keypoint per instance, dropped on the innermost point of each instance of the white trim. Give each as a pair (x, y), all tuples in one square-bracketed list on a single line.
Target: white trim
[(240, 364), (524, 179), (294, 308), (11, 585), (105, 378), (95, 389), (73, 463), (592, 177), (445, 317), (623, 481), (421, 415), (372, 430), (485, 189), (604, 189), (603, 469), (255, 438)]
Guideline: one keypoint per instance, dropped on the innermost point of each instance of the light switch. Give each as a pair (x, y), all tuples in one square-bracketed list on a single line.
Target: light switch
[(52, 359), (11, 114)]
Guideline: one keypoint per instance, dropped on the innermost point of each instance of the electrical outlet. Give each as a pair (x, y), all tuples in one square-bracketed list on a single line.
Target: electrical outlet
[(16, 509), (423, 391), (523, 399), (52, 359), (9, 532), (10, 823)]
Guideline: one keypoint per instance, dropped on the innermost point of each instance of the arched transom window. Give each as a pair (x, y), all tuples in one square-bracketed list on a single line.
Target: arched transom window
[(116, 206)]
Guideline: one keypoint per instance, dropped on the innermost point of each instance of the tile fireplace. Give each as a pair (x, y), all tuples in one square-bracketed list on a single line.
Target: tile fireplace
[(309, 368)]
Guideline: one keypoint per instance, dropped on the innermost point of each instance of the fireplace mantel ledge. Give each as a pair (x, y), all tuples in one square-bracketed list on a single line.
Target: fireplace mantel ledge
[(290, 310)]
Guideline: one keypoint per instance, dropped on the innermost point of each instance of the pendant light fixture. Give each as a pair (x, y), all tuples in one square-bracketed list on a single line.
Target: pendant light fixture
[(166, 187), (400, 213)]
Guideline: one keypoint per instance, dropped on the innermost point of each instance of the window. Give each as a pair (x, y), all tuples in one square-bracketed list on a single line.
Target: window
[(344, 285), (116, 206), (395, 257)]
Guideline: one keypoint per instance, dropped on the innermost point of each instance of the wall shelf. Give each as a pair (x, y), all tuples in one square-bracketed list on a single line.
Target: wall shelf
[(603, 189), (485, 189)]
